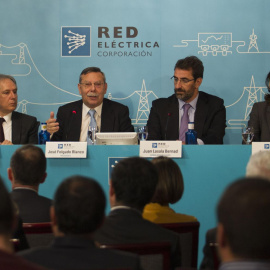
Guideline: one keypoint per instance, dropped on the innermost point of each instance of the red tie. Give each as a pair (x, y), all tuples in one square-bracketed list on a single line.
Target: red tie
[(2, 135)]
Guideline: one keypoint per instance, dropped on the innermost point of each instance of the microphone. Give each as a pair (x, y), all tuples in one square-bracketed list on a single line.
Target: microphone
[(69, 126), (168, 117)]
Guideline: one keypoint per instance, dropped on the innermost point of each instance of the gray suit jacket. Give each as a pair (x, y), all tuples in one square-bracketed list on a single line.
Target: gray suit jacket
[(209, 122), (24, 128), (32, 207), (127, 226), (260, 121), (114, 118), (80, 253)]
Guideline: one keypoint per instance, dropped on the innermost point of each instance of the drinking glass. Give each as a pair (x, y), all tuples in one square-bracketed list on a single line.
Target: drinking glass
[(142, 133), (247, 135)]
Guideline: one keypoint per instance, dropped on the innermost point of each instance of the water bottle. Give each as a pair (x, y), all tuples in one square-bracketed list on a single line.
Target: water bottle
[(44, 135), (91, 135), (191, 134)]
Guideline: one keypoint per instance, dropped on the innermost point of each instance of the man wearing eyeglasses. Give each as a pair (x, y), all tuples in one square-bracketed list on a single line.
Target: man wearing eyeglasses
[(188, 104), (73, 119)]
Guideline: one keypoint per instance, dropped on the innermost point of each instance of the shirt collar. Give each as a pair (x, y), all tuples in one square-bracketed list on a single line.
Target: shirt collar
[(193, 103), (98, 109), (8, 117)]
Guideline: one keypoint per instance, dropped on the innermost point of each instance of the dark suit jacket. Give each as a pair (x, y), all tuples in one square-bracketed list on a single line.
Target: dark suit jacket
[(209, 119), (32, 207), (123, 226), (80, 253), (208, 260), (24, 128), (114, 118), (260, 121)]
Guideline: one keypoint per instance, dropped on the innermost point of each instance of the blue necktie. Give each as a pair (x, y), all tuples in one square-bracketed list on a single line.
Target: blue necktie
[(184, 123), (92, 126)]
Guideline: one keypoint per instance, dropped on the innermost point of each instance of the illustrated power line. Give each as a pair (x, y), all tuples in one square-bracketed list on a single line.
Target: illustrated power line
[(253, 42)]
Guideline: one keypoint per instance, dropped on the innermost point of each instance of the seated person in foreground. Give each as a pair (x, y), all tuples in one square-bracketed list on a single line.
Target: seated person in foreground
[(132, 185), (27, 171), (73, 119), (260, 116), (8, 222), (243, 234), (169, 189), (78, 210)]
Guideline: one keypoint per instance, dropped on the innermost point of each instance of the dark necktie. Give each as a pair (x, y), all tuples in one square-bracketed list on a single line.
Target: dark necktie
[(2, 135), (184, 123)]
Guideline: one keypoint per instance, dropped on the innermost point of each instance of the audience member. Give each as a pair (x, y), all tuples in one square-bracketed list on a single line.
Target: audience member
[(132, 185), (169, 189), (8, 222), (169, 117), (73, 119), (15, 127), (258, 166), (77, 211), (243, 234), (259, 116), (27, 171)]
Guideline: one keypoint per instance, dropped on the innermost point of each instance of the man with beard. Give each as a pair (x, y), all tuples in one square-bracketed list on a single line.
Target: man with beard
[(188, 104), (73, 119)]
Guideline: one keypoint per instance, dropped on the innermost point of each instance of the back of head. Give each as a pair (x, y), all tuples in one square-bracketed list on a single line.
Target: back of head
[(134, 181), (79, 204), (259, 165), (191, 63), (243, 210), (170, 185), (28, 164), (6, 211)]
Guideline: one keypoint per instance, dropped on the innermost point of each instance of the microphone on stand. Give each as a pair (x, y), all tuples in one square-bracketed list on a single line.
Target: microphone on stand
[(168, 119), (69, 127)]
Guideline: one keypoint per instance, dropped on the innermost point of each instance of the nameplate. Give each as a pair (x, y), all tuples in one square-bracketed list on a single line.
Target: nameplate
[(66, 149), (172, 149), (260, 146)]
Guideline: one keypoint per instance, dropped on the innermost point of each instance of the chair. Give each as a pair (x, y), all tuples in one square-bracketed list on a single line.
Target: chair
[(38, 234), (152, 255), (189, 238), (216, 259)]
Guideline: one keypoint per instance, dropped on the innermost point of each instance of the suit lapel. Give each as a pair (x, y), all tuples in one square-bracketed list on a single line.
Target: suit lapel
[(267, 116), (16, 128), (200, 114), (75, 123), (107, 117), (172, 120)]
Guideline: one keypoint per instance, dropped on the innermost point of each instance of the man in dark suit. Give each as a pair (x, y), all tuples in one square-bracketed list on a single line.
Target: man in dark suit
[(206, 111), (27, 171), (78, 210), (73, 119), (8, 222), (132, 185), (18, 128)]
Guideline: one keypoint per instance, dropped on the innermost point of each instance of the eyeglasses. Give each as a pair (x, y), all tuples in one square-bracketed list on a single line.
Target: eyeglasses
[(181, 80), (89, 85)]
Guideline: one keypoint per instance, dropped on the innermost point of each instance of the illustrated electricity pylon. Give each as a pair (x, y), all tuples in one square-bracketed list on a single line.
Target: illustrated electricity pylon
[(253, 42), (252, 96), (22, 56), (143, 107)]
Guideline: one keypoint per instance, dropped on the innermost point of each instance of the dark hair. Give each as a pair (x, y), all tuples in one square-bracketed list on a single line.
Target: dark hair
[(4, 77), (89, 70), (134, 181), (267, 96), (243, 210), (7, 210), (79, 204), (28, 164), (170, 185), (192, 63)]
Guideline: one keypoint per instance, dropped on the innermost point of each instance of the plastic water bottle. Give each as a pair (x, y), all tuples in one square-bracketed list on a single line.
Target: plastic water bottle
[(44, 135), (191, 134)]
